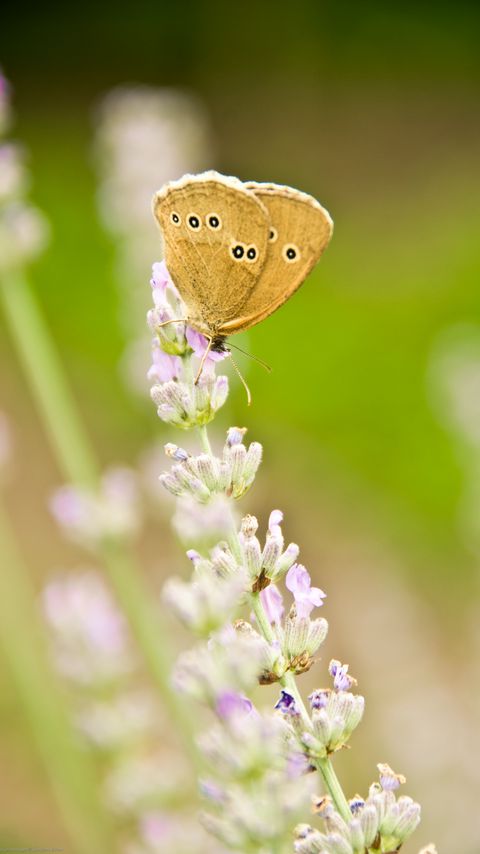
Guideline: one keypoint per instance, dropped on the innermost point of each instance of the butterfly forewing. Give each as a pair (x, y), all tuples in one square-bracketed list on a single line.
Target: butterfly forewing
[(300, 229), (215, 234)]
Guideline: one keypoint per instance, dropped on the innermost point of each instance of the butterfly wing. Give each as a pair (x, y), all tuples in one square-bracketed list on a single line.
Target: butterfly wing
[(215, 234), (300, 229)]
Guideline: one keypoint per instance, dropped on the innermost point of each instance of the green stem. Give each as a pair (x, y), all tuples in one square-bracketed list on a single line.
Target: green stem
[(47, 380), (44, 372), (206, 446), (261, 617), (289, 682), (67, 764), (334, 788)]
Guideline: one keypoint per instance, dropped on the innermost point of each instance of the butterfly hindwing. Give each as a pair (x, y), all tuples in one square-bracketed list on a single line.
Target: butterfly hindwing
[(300, 229), (215, 234)]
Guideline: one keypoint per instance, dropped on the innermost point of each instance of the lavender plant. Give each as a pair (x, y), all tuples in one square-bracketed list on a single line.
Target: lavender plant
[(259, 783), (144, 137), (118, 716)]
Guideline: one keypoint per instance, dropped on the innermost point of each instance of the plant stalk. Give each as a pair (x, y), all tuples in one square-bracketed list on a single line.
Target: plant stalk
[(69, 769)]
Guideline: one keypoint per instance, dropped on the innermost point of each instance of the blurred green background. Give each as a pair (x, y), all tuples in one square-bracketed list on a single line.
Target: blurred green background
[(373, 108)]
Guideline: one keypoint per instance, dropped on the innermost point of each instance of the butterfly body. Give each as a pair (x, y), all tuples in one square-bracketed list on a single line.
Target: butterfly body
[(236, 251)]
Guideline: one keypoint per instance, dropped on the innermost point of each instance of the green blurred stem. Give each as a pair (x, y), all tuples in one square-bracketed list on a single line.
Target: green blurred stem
[(44, 371), (68, 766), (47, 380)]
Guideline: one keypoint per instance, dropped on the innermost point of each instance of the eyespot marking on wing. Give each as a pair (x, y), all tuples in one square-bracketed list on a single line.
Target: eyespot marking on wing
[(214, 221), (194, 222), (237, 251), (272, 235), (175, 219), (291, 253), (252, 253)]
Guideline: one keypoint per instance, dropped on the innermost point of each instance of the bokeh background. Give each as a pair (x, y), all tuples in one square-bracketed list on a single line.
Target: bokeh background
[(370, 418)]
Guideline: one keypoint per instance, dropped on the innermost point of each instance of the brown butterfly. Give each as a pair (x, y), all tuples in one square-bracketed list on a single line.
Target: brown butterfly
[(237, 251)]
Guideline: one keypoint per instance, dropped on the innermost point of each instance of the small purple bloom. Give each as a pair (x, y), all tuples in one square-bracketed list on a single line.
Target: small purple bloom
[(69, 506), (176, 453), (199, 344), (165, 367), (356, 804), (297, 765), (194, 556), (229, 703), (319, 699), (272, 601), (155, 828), (210, 790), (389, 781), (298, 581), (286, 704), (341, 680), (235, 436), (160, 277), (274, 521)]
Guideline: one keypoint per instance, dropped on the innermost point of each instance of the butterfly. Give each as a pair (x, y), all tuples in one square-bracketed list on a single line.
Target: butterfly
[(237, 251)]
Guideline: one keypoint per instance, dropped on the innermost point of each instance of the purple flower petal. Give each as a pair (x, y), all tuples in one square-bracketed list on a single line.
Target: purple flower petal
[(272, 601), (298, 581), (319, 698), (199, 344), (275, 519), (341, 680), (160, 276), (286, 704), (297, 764), (164, 367), (230, 703)]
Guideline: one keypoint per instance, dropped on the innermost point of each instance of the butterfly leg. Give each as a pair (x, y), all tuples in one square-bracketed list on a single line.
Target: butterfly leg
[(203, 359), (174, 320)]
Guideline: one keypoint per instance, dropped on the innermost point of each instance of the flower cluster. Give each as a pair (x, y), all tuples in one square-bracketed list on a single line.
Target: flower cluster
[(111, 512), (335, 714), (204, 476), (259, 788), (117, 716), (179, 354), (23, 230), (381, 822), (91, 644), (256, 788)]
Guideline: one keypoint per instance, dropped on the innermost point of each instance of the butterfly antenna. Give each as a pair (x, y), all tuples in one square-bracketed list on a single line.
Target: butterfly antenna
[(203, 360), (242, 380), (251, 356)]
